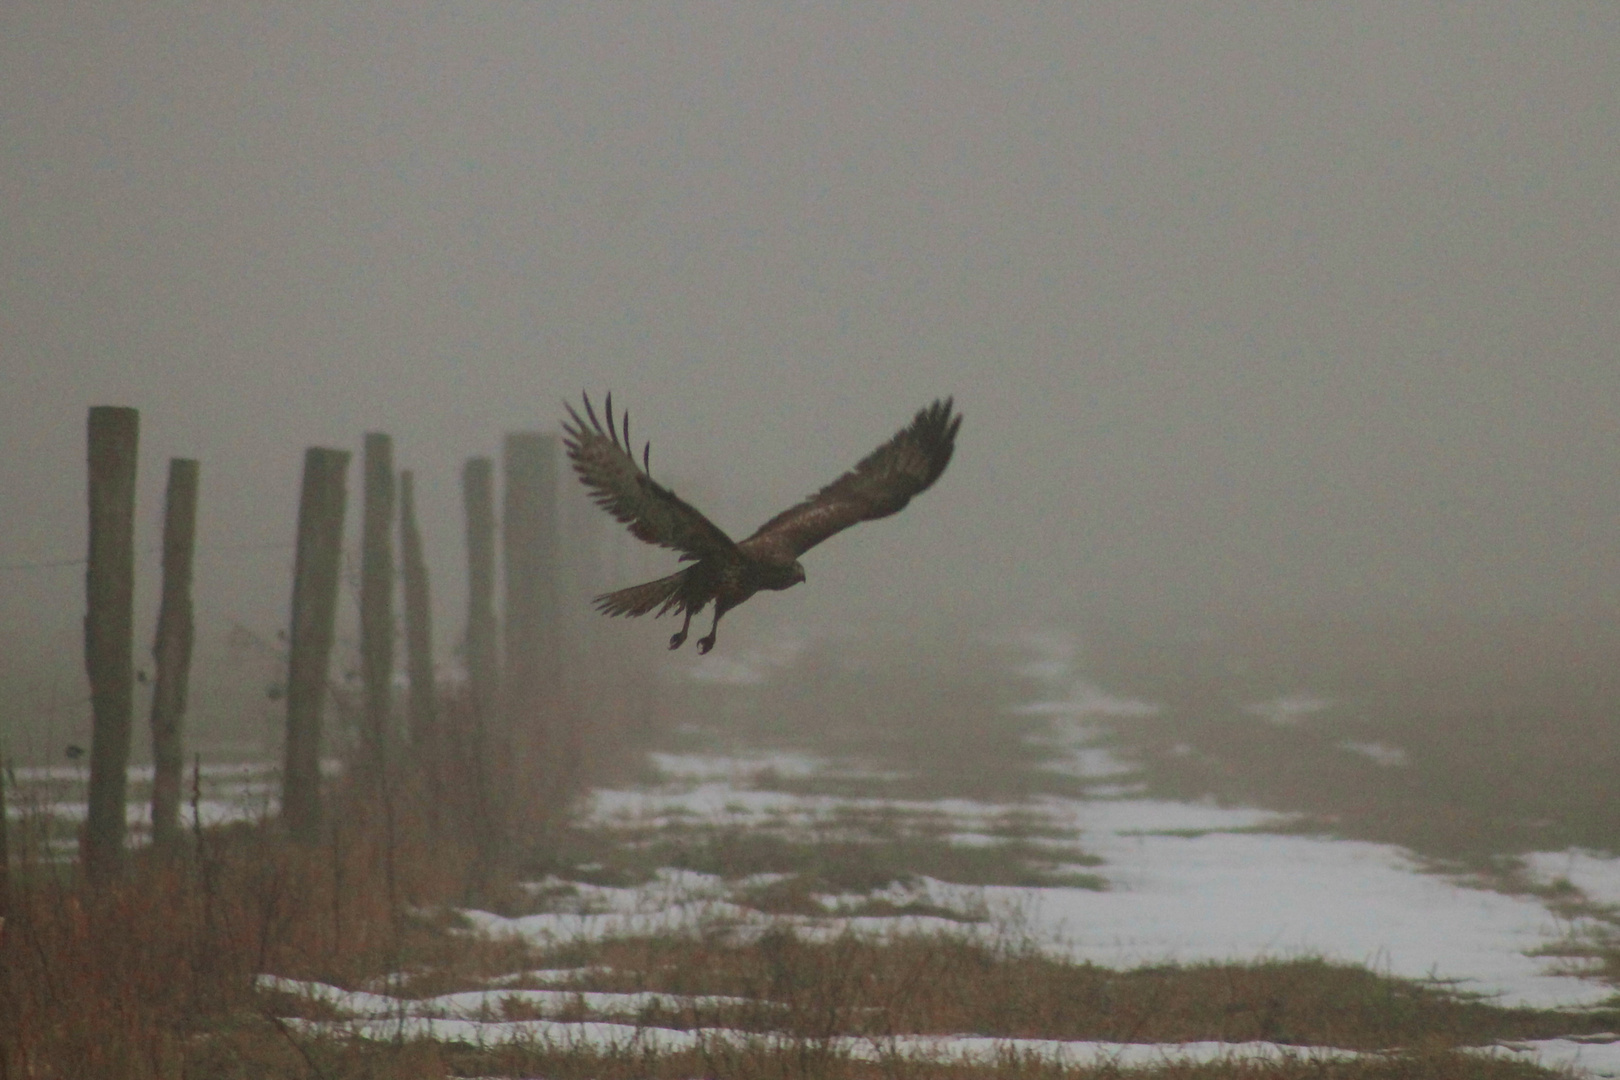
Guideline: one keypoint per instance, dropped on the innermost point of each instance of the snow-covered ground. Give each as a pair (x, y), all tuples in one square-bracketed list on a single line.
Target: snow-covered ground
[(1182, 886), (1185, 882), (479, 1017), (1185, 886), (228, 792)]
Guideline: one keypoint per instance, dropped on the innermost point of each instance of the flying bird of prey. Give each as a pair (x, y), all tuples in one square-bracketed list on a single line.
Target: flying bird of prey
[(724, 571)]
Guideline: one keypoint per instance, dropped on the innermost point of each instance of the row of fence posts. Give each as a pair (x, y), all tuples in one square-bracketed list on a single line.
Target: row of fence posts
[(517, 694)]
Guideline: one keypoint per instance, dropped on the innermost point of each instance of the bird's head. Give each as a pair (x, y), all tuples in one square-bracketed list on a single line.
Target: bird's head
[(798, 570)]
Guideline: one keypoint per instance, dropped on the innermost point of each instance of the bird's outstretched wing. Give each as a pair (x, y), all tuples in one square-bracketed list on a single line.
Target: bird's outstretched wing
[(603, 460), (880, 485)]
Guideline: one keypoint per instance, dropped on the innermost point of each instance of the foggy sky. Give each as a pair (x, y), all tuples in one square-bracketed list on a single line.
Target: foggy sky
[(1248, 306)]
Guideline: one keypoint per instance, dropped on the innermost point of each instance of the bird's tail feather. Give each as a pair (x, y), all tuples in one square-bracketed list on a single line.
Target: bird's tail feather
[(640, 599)]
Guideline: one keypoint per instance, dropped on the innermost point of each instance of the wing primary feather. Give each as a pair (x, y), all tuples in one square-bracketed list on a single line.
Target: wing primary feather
[(605, 460), (880, 484)]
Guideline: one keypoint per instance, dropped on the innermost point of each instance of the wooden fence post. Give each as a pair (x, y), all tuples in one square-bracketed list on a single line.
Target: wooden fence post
[(109, 629), (314, 610), (478, 498), (418, 617), (377, 600), (488, 755), (171, 651), (529, 534)]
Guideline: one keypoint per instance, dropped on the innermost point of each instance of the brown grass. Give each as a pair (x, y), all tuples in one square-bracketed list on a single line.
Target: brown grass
[(139, 975), (810, 1061), (120, 980), (152, 975), (932, 984)]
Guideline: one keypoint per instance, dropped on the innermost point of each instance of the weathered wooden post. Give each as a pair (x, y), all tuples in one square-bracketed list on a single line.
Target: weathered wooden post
[(588, 685), (418, 617), (489, 771), (171, 651), (530, 541), (314, 609), (109, 629), (377, 599), (478, 499)]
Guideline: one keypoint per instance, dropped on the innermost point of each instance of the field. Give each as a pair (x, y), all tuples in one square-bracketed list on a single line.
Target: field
[(1017, 856)]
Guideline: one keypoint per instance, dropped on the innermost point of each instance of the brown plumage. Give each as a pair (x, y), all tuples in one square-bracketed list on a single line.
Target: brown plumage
[(727, 572)]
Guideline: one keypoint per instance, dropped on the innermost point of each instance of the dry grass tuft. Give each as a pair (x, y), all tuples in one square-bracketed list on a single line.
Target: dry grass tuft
[(940, 984)]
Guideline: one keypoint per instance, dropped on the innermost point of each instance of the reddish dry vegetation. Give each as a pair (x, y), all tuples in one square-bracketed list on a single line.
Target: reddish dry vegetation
[(151, 971), (151, 974), (119, 979)]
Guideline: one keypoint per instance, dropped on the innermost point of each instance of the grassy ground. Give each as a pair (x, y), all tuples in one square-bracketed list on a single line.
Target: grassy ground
[(853, 852), (805, 998), (154, 979), (154, 976), (408, 1061), (1506, 729)]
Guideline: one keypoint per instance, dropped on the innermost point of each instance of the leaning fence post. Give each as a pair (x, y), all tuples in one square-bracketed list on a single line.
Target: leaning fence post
[(109, 628), (377, 599), (314, 610), (171, 651), (418, 616)]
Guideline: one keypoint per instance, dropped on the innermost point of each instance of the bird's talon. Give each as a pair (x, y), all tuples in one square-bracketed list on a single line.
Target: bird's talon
[(676, 640), (704, 645)]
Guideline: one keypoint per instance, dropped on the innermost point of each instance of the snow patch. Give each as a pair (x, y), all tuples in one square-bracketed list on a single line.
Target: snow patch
[(1288, 710)]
